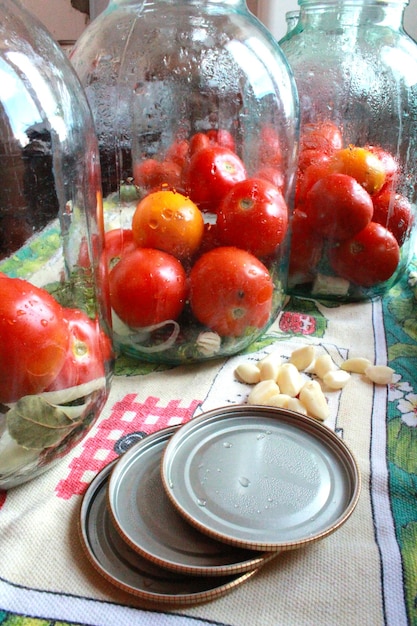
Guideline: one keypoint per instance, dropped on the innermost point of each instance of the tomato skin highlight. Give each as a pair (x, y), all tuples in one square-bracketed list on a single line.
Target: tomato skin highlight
[(230, 291), (337, 206), (34, 339), (210, 174), (147, 287), (88, 350), (368, 258), (253, 216)]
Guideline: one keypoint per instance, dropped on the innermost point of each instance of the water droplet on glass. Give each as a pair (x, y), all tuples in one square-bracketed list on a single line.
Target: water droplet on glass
[(245, 482), (44, 323), (227, 444), (261, 436), (201, 502)]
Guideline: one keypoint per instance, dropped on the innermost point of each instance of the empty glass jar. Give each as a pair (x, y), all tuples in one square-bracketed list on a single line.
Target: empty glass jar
[(55, 347), (354, 220), (197, 121)]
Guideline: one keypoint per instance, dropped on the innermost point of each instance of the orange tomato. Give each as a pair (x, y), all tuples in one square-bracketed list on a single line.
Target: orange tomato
[(361, 164), (168, 221)]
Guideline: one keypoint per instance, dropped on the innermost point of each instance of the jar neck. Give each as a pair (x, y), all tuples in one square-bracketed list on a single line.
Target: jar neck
[(324, 13)]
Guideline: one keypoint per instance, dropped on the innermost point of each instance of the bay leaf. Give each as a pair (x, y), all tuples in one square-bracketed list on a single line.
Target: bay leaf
[(36, 424)]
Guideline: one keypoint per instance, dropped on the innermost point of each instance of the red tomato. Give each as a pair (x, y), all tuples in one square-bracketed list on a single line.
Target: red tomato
[(153, 174), (273, 174), (323, 136), (337, 206), (230, 291), (197, 142), (253, 216), (368, 258), (222, 137), (117, 242), (309, 157), (394, 212), (147, 286), (270, 151), (310, 176), (211, 173), (88, 350), (33, 339), (178, 152), (306, 249)]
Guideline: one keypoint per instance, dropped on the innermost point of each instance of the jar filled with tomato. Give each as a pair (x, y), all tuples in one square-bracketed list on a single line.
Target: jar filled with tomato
[(354, 216), (56, 356), (197, 121)]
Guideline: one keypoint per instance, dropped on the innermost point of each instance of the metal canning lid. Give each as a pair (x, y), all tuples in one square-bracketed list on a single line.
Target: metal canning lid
[(127, 570), (146, 519), (260, 478)]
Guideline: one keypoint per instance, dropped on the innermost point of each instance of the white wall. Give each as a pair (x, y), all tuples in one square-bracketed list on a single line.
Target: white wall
[(272, 14)]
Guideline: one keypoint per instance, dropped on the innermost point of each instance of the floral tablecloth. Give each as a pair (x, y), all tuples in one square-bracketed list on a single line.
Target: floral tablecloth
[(365, 573)]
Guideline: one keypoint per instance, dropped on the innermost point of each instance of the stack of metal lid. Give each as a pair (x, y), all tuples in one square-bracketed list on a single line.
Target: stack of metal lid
[(190, 512)]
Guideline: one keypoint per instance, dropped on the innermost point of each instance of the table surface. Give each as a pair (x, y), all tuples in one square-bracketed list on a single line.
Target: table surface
[(365, 573)]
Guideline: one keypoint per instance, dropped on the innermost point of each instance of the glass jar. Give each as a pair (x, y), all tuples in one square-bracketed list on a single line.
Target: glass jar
[(197, 121), (356, 74), (55, 340), (291, 19)]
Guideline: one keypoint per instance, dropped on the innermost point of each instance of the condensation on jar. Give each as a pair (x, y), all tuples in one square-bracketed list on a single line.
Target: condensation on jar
[(354, 216), (197, 121)]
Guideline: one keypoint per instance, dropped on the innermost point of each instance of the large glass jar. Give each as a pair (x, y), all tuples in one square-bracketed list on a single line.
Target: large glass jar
[(55, 340), (356, 74), (197, 121)]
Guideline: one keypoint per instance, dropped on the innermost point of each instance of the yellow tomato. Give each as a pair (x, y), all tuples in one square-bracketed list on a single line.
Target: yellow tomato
[(168, 221), (362, 165)]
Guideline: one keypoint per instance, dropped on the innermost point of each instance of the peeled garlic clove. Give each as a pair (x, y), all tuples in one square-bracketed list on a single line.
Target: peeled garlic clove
[(302, 357), (279, 400), (314, 400), (268, 370), (264, 390), (336, 379), (323, 364), (294, 404), (379, 374), (289, 380), (248, 373), (356, 365)]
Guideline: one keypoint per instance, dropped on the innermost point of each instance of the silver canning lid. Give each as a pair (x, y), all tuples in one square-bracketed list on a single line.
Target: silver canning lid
[(146, 519), (127, 570), (260, 478)]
